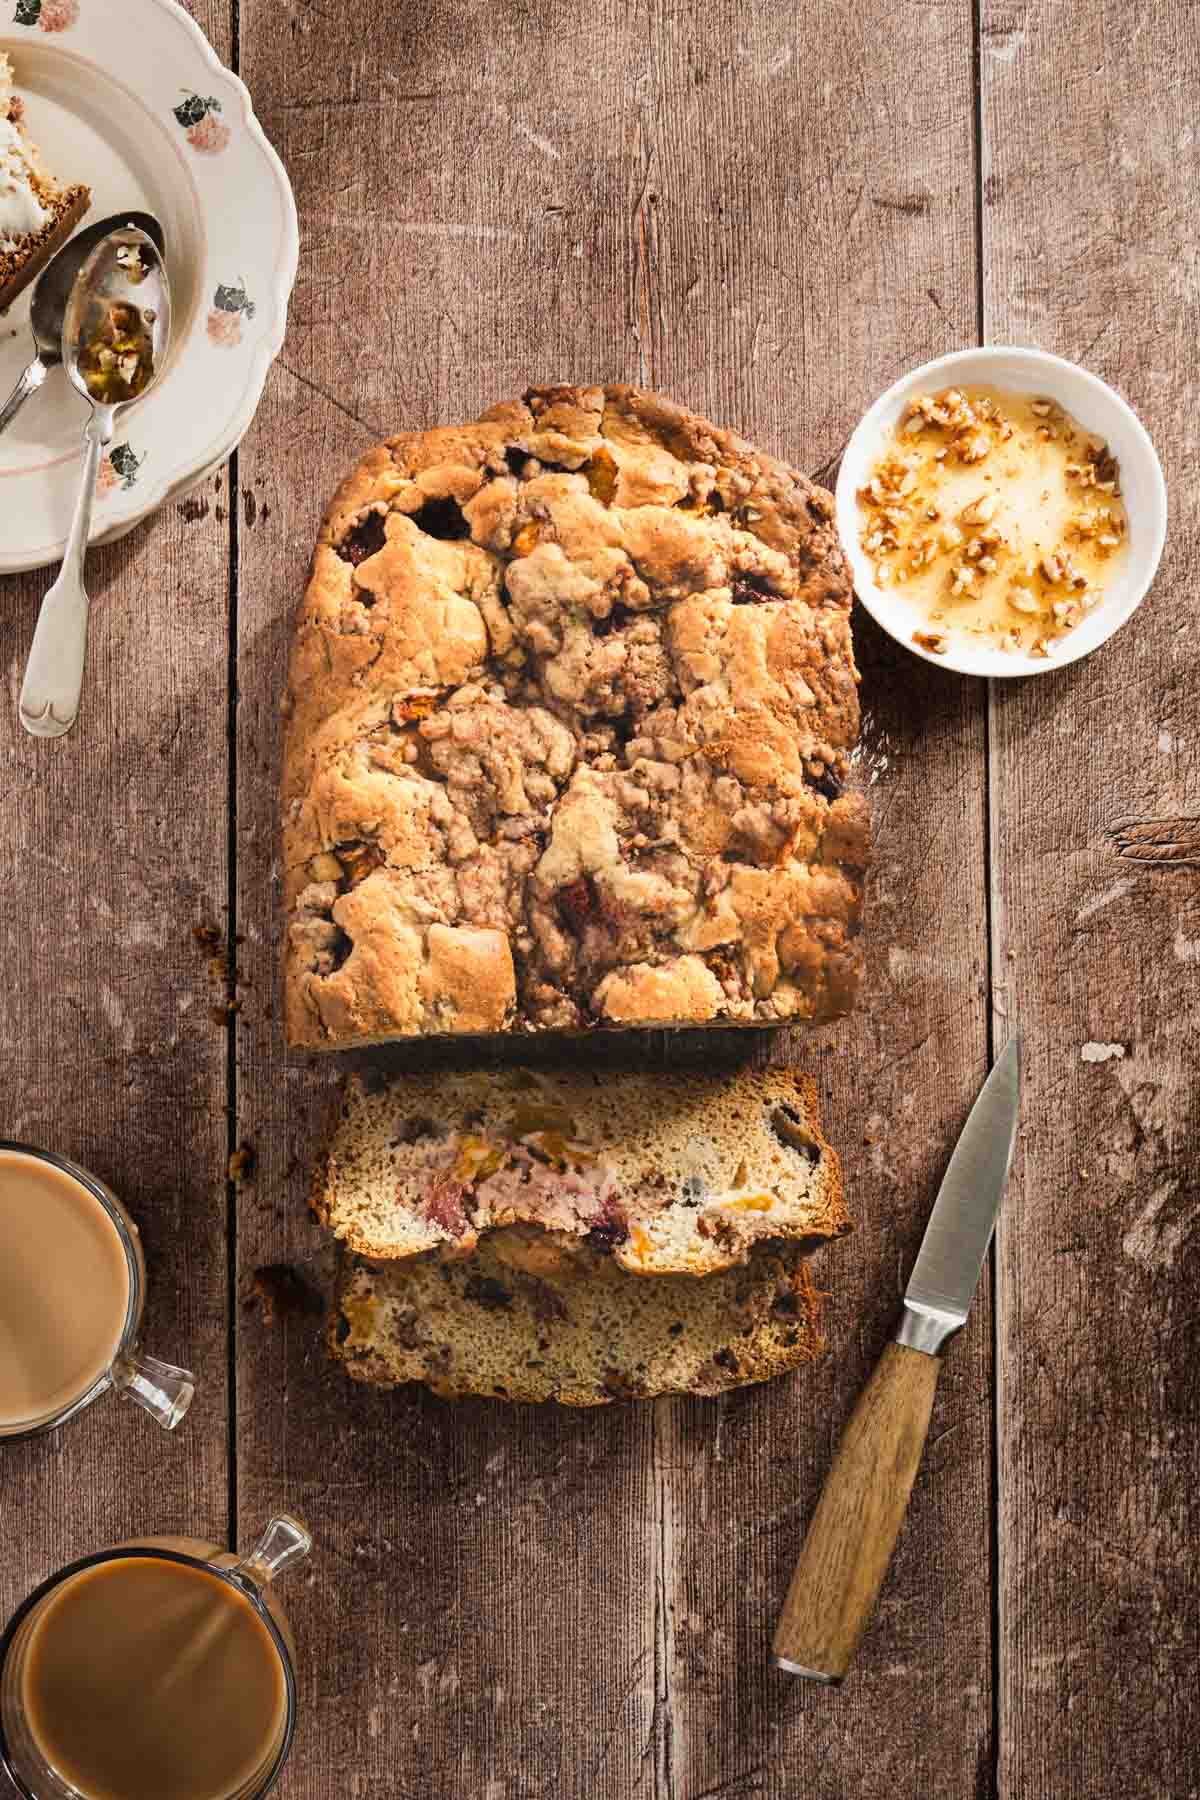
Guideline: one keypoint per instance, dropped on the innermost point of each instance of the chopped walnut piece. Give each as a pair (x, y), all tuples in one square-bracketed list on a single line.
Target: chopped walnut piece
[(980, 511), (973, 449)]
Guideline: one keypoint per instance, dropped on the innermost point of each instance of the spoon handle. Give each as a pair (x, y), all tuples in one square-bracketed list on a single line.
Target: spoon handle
[(29, 383), (49, 701)]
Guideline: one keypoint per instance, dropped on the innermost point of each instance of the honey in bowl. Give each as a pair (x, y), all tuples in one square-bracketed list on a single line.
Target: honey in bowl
[(997, 516)]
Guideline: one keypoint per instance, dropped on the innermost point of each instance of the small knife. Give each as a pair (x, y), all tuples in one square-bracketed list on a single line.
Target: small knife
[(853, 1532)]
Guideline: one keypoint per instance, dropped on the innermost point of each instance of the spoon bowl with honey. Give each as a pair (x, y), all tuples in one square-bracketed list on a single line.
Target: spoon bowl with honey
[(116, 333)]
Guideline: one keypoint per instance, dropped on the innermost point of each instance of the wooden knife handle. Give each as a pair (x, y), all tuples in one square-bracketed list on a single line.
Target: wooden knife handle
[(853, 1532)]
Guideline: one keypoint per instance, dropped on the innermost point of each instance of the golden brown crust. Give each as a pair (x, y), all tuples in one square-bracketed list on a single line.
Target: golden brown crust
[(571, 706)]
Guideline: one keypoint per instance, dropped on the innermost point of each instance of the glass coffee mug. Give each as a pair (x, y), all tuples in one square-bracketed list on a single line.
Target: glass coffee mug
[(72, 1293), (160, 1668)]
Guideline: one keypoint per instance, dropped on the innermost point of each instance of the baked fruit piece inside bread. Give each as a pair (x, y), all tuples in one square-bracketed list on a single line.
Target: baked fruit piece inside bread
[(582, 1334), (572, 703), (658, 1173), (37, 214)]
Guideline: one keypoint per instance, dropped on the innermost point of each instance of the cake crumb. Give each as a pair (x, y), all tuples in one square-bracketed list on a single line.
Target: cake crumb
[(242, 1163), (281, 1290)]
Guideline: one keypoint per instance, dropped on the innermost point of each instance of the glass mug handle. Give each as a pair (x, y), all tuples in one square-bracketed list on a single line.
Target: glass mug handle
[(163, 1390), (285, 1540)]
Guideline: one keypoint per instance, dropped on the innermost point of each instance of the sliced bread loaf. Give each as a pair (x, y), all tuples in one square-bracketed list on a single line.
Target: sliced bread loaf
[(581, 1333), (667, 1173)]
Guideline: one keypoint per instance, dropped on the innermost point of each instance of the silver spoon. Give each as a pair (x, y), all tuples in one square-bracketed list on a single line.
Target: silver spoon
[(124, 271), (51, 292)]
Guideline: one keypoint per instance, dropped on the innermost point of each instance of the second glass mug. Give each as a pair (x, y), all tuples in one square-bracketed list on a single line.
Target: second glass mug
[(164, 1390), (284, 1542)]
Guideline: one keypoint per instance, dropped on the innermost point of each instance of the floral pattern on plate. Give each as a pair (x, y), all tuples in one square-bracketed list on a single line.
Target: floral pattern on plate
[(118, 470), (48, 15), (199, 114), (230, 306)]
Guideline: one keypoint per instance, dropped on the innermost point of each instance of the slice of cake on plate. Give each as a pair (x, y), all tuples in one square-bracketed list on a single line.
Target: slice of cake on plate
[(37, 214)]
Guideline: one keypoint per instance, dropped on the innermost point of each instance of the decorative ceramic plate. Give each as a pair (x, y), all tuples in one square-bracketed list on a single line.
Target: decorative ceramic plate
[(133, 101)]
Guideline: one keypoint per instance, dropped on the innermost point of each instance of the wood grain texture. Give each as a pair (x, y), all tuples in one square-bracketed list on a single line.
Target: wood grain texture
[(480, 1619), (1089, 118), (897, 1082), (859, 1516), (785, 220), (113, 848)]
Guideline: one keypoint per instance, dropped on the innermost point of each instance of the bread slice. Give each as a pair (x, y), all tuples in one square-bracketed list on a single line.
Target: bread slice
[(37, 214), (581, 1334), (668, 1173)]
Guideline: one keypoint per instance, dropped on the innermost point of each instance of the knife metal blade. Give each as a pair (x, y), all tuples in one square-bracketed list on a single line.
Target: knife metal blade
[(946, 1272)]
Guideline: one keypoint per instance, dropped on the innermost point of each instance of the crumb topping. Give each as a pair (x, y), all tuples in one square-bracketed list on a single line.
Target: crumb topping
[(572, 704)]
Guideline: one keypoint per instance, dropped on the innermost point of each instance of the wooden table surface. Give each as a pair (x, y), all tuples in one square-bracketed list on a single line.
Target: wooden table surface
[(769, 212)]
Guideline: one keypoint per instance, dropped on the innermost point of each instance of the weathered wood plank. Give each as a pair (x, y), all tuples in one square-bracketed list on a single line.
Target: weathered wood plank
[(114, 1044), (748, 1469), (1088, 202), (805, 253), (481, 1620)]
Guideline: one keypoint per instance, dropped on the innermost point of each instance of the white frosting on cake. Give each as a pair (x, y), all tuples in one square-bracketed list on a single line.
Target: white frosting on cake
[(21, 212)]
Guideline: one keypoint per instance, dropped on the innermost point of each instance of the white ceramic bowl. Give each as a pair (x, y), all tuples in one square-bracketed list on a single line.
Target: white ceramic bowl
[(1101, 411)]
